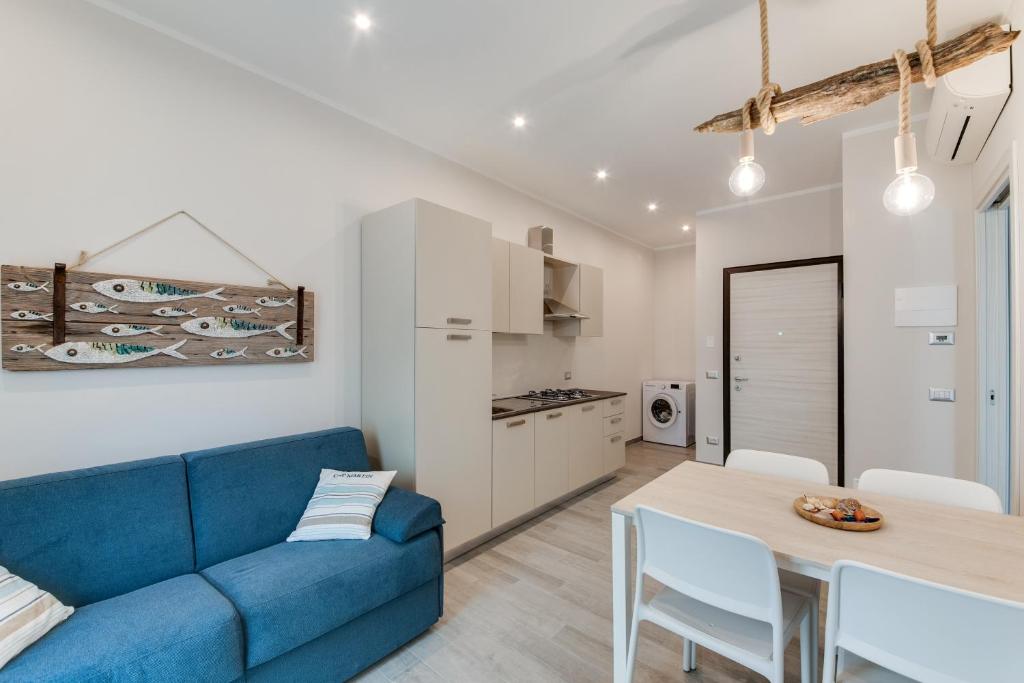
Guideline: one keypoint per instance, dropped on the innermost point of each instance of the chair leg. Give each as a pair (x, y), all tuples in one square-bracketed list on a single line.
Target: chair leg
[(689, 655), (634, 636), (815, 606), (806, 654)]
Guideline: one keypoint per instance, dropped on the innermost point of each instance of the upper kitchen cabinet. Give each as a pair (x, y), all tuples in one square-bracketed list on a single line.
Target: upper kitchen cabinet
[(589, 286), (453, 268), (518, 288), (500, 285)]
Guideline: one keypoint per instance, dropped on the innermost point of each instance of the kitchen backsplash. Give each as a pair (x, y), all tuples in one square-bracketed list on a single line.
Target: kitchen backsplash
[(531, 361)]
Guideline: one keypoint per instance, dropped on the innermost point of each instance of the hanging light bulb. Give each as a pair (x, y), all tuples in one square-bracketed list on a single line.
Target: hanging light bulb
[(748, 176), (911, 192)]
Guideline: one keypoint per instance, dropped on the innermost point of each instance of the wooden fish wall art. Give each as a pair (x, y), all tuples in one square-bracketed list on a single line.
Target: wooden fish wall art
[(55, 319)]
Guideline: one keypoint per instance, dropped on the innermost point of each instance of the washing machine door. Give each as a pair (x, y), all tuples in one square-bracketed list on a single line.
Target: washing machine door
[(662, 411)]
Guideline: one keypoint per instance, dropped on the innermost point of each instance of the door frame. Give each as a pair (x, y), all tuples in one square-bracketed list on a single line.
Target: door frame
[(727, 274)]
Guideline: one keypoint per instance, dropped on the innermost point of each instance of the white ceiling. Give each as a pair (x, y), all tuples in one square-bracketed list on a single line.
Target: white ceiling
[(610, 84)]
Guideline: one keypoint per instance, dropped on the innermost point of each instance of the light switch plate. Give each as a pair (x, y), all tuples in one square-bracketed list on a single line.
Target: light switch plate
[(943, 395), (941, 339), (709, 341), (568, 375), (713, 374), (712, 440)]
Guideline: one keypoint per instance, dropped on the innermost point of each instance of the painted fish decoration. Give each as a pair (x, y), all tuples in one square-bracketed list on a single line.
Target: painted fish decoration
[(226, 353), (93, 307), (239, 309), (130, 330), (231, 327), (34, 315), (145, 291), (275, 302), (175, 312), (109, 353), (287, 352), (25, 348), (28, 287)]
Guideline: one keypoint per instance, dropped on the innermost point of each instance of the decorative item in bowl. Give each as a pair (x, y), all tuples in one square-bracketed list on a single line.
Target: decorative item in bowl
[(847, 514)]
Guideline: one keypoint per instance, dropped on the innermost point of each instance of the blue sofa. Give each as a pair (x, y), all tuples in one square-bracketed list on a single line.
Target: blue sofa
[(178, 570)]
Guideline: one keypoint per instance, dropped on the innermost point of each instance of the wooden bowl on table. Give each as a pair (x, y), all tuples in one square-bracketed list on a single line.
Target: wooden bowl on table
[(824, 517)]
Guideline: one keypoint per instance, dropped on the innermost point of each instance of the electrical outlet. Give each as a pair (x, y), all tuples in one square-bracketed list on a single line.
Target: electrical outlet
[(713, 374), (944, 395), (568, 375), (712, 440)]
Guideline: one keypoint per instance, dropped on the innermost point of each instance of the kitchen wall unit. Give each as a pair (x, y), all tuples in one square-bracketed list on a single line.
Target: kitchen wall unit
[(426, 357), (590, 287), (518, 288)]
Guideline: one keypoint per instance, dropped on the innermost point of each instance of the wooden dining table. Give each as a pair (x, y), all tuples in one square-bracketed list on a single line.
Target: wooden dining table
[(968, 549)]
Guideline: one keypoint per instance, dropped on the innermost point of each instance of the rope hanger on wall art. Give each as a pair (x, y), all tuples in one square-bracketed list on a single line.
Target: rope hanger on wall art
[(65, 319), (853, 89)]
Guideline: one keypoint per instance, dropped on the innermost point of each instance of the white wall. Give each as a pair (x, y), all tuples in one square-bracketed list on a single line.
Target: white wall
[(675, 289), (805, 225), (889, 420), (108, 126)]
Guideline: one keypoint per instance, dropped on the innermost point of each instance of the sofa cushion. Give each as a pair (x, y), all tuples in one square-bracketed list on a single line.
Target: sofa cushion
[(181, 629), (290, 593), (251, 496), (94, 533), (342, 506)]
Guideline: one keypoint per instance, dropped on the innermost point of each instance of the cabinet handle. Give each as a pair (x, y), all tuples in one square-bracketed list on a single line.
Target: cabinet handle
[(615, 439), (587, 409), (459, 337), (616, 420), (517, 423), (552, 416), (459, 321), (616, 401)]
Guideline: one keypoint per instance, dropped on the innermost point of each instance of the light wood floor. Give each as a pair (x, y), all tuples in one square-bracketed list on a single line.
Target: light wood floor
[(534, 604)]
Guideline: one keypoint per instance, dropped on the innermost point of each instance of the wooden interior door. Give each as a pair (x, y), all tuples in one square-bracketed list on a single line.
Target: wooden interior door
[(783, 360)]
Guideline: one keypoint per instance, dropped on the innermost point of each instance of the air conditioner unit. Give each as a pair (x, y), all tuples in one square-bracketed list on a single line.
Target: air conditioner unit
[(965, 107)]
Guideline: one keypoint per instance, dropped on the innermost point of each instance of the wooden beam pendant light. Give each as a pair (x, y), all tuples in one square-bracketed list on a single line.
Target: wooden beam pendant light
[(861, 86), (748, 176)]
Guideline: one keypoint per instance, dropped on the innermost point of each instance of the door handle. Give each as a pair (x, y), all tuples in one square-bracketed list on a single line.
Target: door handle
[(459, 337), (587, 409), (459, 321), (552, 416), (616, 420), (615, 439), (517, 423), (741, 379)]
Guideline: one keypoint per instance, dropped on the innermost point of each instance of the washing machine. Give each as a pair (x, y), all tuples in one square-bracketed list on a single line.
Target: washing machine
[(668, 411)]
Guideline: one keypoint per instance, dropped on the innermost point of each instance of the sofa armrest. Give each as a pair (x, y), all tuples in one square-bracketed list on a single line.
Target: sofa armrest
[(403, 514)]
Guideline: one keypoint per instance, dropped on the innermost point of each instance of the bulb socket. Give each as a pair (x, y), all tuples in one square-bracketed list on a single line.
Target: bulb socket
[(747, 145), (906, 153)]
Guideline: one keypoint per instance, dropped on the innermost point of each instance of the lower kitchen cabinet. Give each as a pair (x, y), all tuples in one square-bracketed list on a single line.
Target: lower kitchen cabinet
[(551, 455), (586, 447), (512, 470), (614, 452)]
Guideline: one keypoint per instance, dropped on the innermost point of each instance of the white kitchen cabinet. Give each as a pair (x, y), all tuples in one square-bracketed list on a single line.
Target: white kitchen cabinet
[(591, 305), (612, 424), (551, 455), (453, 268), (614, 452), (426, 381), (512, 474), (500, 284), (614, 406), (586, 448), (526, 290)]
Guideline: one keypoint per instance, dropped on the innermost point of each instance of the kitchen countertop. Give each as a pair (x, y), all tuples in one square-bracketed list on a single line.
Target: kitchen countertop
[(540, 406)]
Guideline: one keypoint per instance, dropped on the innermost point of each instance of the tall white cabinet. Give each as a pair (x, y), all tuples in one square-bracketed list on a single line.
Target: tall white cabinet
[(426, 352)]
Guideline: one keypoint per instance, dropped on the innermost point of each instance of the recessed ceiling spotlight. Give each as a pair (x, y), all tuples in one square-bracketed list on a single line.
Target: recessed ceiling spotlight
[(362, 22), (652, 207), (686, 228), (519, 121), (602, 174)]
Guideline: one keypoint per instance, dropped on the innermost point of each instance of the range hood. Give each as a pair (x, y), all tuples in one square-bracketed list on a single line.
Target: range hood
[(556, 310)]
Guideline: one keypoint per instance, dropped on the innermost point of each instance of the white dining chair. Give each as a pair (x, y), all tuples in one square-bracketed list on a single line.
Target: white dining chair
[(721, 591), (887, 627), (778, 464), (791, 467), (931, 488)]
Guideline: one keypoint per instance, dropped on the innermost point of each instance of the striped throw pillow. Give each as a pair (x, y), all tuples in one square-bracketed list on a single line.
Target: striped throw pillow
[(342, 506), (26, 614)]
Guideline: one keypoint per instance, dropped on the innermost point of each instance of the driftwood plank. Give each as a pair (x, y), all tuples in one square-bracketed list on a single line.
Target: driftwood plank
[(26, 341), (866, 84)]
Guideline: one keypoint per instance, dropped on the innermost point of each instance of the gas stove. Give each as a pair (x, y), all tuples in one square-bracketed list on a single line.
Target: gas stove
[(557, 395)]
